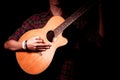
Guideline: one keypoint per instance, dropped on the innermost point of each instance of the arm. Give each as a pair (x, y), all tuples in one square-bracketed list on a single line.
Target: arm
[(34, 44), (13, 45)]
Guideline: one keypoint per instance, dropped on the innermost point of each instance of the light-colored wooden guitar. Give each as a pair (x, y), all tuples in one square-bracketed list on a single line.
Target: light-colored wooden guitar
[(37, 62)]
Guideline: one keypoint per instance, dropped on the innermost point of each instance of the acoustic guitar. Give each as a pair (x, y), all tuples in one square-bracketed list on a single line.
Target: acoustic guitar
[(36, 62)]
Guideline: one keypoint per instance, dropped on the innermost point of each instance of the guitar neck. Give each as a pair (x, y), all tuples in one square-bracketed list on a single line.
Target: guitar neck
[(73, 17)]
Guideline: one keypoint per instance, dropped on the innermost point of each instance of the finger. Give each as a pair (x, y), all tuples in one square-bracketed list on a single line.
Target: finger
[(39, 41), (41, 49), (37, 37), (43, 46), (47, 47)]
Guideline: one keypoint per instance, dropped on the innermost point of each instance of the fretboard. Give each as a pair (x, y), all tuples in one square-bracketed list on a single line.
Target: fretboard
[(73, 17)]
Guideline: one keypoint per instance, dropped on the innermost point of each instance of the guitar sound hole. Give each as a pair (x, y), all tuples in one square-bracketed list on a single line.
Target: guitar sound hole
[(50, 36)]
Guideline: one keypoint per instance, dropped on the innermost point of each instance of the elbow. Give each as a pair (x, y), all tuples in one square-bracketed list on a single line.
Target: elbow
[(5, 45), (13, 45), (8, 45)]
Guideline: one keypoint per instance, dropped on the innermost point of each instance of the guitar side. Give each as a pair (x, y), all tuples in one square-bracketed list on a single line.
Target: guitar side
[(37, 62)]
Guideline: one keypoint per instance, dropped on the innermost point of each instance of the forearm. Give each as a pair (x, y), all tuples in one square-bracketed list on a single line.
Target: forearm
[(13, 45)]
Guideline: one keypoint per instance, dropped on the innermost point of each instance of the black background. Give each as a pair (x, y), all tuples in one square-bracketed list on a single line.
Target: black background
[(13, 13)]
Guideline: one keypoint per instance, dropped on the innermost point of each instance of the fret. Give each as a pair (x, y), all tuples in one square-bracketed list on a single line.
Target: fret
[(73, 17)]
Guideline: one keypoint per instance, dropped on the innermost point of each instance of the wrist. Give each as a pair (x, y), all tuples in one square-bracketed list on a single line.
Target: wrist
[(24, 44)]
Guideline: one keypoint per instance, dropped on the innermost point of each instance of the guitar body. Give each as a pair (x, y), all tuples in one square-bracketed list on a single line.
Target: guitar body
[(37, 62)]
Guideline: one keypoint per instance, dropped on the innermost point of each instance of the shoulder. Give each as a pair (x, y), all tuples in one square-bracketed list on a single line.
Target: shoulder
[(41, 15)]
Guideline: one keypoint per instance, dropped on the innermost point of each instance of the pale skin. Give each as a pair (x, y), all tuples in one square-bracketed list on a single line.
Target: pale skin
[(35, 43)]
